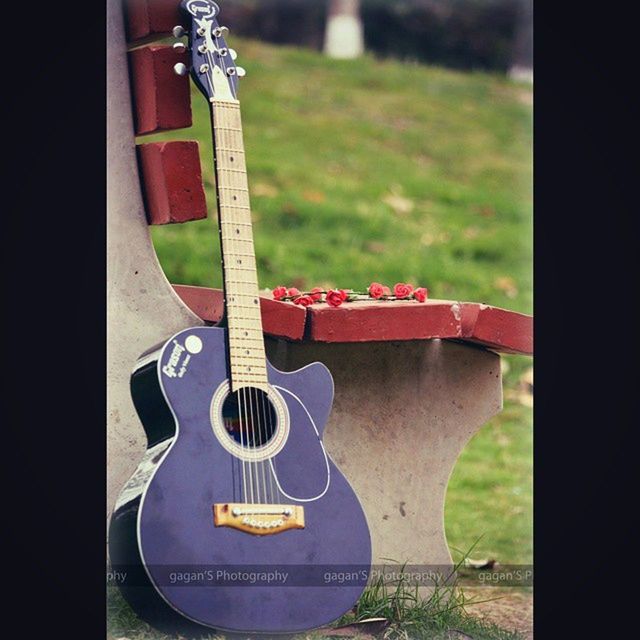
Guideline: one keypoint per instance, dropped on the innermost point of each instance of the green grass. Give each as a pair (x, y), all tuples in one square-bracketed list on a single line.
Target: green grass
[(413, 616), (379, 170), (490, 492), (374, 170)]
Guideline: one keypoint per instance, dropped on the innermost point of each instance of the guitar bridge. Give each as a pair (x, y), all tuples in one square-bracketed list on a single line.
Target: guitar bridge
[(258, 519)]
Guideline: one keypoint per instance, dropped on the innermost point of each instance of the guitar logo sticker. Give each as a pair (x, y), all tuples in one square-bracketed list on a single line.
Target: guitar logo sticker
[(176, 369), (202, 9)]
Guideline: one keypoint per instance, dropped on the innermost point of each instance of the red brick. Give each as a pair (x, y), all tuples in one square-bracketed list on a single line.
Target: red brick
[(279, 319), (498, 329), (161, 99), (382, 321), (172, 182), (146, 19), (491, 327)]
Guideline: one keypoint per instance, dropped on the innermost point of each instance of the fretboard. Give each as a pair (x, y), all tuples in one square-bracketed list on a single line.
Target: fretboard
[(242, 303)]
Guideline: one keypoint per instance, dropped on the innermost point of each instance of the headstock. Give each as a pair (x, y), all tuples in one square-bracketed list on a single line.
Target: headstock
[(212, 63)]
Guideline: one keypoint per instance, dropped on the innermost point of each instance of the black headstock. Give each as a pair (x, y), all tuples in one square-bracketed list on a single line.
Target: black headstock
[(212, 62)]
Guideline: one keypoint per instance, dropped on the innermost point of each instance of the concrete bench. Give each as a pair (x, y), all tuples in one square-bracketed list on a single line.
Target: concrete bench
[(413, 382)]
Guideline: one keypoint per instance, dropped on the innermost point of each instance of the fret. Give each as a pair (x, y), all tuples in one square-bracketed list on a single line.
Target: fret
[(259, 347), (252, 368), (237, 323), (249, 376), (243, 255), (231, 170), (248, 370), (252, 292)]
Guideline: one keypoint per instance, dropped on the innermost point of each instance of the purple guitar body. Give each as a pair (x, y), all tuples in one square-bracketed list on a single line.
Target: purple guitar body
[(167, 526)]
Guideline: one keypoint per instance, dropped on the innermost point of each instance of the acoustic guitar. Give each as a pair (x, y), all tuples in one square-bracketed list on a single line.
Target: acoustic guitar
[(236, 519)]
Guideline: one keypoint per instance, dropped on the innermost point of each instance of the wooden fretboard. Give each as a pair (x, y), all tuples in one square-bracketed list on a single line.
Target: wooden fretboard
[(242, 303)]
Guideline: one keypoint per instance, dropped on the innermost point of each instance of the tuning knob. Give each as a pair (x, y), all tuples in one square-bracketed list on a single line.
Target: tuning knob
[(241, 72), (233, 54), (180, 46), (180, 69), (178, 31), (220, 31)]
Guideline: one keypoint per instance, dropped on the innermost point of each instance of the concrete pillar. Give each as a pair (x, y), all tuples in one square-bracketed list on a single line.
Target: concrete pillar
[(402, 414), (142, 308)]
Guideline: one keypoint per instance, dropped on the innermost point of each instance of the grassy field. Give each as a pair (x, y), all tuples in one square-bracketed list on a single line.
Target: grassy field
[(379, 170)]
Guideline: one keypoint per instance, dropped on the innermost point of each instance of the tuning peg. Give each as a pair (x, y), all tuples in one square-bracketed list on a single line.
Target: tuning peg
[(179, 45), (220, 31), (178, 31), (241, 72), (233, 54), (180, 69)]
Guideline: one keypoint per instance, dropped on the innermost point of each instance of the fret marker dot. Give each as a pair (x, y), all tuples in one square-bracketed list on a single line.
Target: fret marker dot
[(255, 301), (237, 230), (193, 344)]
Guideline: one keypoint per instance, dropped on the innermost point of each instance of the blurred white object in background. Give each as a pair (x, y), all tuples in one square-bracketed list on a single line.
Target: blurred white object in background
[(521, 74), (344, 34), (521, 68)]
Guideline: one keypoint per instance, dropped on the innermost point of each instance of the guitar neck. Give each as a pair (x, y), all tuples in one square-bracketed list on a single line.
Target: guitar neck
[(242, 303)]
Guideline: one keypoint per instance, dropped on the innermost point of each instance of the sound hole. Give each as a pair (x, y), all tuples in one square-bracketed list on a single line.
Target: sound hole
[(249, 417)]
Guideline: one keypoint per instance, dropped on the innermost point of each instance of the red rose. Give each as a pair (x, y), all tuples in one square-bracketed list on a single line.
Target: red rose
[(316, 293), (279, 293), (293, 292), (344, 293), (402, 290), (335, 297), (421, 294), (376, 290), (303, 301)]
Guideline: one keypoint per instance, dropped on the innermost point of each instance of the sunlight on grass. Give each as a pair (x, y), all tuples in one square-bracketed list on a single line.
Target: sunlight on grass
[(328, 142)]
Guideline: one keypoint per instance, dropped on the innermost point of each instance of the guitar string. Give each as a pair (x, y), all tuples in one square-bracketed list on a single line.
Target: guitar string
[(241, 406), (242, 397), (264, 430), (267, 433), (252, 392), (254, 412)]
